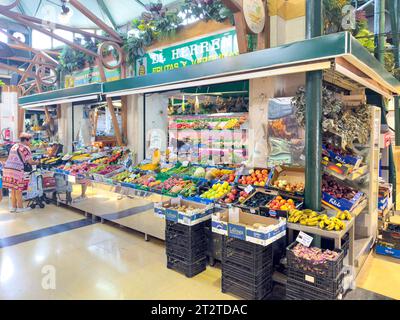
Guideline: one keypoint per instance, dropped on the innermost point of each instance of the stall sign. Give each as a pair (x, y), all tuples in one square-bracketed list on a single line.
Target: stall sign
[(189, 53), (90, 75), (254, 14)]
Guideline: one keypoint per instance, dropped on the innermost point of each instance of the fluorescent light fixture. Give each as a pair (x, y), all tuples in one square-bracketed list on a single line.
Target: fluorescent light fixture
[(60, 101)]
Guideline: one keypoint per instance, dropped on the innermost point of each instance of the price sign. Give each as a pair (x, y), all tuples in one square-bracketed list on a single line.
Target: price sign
[(249, 189), (185, 163), (304, 239)]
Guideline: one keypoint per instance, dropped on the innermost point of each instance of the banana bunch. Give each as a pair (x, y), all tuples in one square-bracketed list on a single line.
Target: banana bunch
[(331, 224), (343, 215), (231, 124), (80, 157), (49, 160), (305, 217), (311, 218)]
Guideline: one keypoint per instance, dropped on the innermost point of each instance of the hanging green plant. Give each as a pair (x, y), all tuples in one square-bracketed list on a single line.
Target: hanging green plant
[(71, 60), (2, 84), (206, 10)]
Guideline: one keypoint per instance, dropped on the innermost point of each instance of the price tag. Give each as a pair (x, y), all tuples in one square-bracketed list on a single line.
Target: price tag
[(249, 189), (185, 163), (309, 278), (304, 239)]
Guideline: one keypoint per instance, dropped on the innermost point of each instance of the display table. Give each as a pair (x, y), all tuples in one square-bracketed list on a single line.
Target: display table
[(126, 207)]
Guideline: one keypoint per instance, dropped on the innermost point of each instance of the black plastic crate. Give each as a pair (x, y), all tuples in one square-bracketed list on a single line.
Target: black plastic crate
[(245, 291), (187, 254), (184, 239), (254, 279), (170, 225), (296, 290), (329, 269), (188, 269), (253, 261), (245, 245), (320, 282), (214, 245)]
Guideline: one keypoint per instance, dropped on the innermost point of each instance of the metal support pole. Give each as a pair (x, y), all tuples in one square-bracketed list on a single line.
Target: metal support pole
[(379, 31), (313, 140), (313, 148), (394, 6)]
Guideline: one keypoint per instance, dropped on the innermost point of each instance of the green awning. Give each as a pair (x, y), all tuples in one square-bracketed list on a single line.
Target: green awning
[(246, 66), (339, 51), (86, 92)]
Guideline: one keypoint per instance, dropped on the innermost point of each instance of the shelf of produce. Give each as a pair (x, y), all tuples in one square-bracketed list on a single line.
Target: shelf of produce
[(210, 116), (320, 232), (356, 210), (350, 177)]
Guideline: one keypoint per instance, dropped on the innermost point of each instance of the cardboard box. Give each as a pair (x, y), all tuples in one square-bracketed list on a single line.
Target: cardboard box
[(342, 204), (163, 210), (387, 249), (290, 174), (244, 229), (352, 160)]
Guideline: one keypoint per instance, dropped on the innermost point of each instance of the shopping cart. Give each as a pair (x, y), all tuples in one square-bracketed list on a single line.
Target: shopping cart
[(62, 186), (34, 192)]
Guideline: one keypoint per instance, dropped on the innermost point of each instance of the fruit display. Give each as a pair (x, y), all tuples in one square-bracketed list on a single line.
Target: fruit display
[(50, 161), (81, 157), (182, 208), (75, 169), (313, 254), (289, 187), (217, 191), (278, 203), (108, 169), (220, 174), (122, 176), (231, 197), (113, 159), (144, 180), (257, 178), (100, 160), (258, 199), (149, 167), (312, 218), (337, 190), (172, 185)]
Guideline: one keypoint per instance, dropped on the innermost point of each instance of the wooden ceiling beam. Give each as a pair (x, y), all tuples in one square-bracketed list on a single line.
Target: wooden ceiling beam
[(25, 60), (16, 70), (103, 26), (41, 29), (67, 28)]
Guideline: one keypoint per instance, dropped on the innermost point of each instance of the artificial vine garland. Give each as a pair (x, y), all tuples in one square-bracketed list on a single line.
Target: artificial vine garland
[(352, 124)]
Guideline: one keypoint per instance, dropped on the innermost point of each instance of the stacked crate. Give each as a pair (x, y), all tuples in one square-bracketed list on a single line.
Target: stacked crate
[(186, 247), (309, 280), (246, 269)]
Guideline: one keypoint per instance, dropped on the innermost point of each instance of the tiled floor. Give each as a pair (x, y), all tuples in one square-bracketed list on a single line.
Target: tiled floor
[(100, 261)]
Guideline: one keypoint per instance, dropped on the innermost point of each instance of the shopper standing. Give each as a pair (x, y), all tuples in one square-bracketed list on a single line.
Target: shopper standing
[(18, 162)]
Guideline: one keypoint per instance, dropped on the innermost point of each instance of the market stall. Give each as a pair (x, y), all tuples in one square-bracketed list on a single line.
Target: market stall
[(244, 157)]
